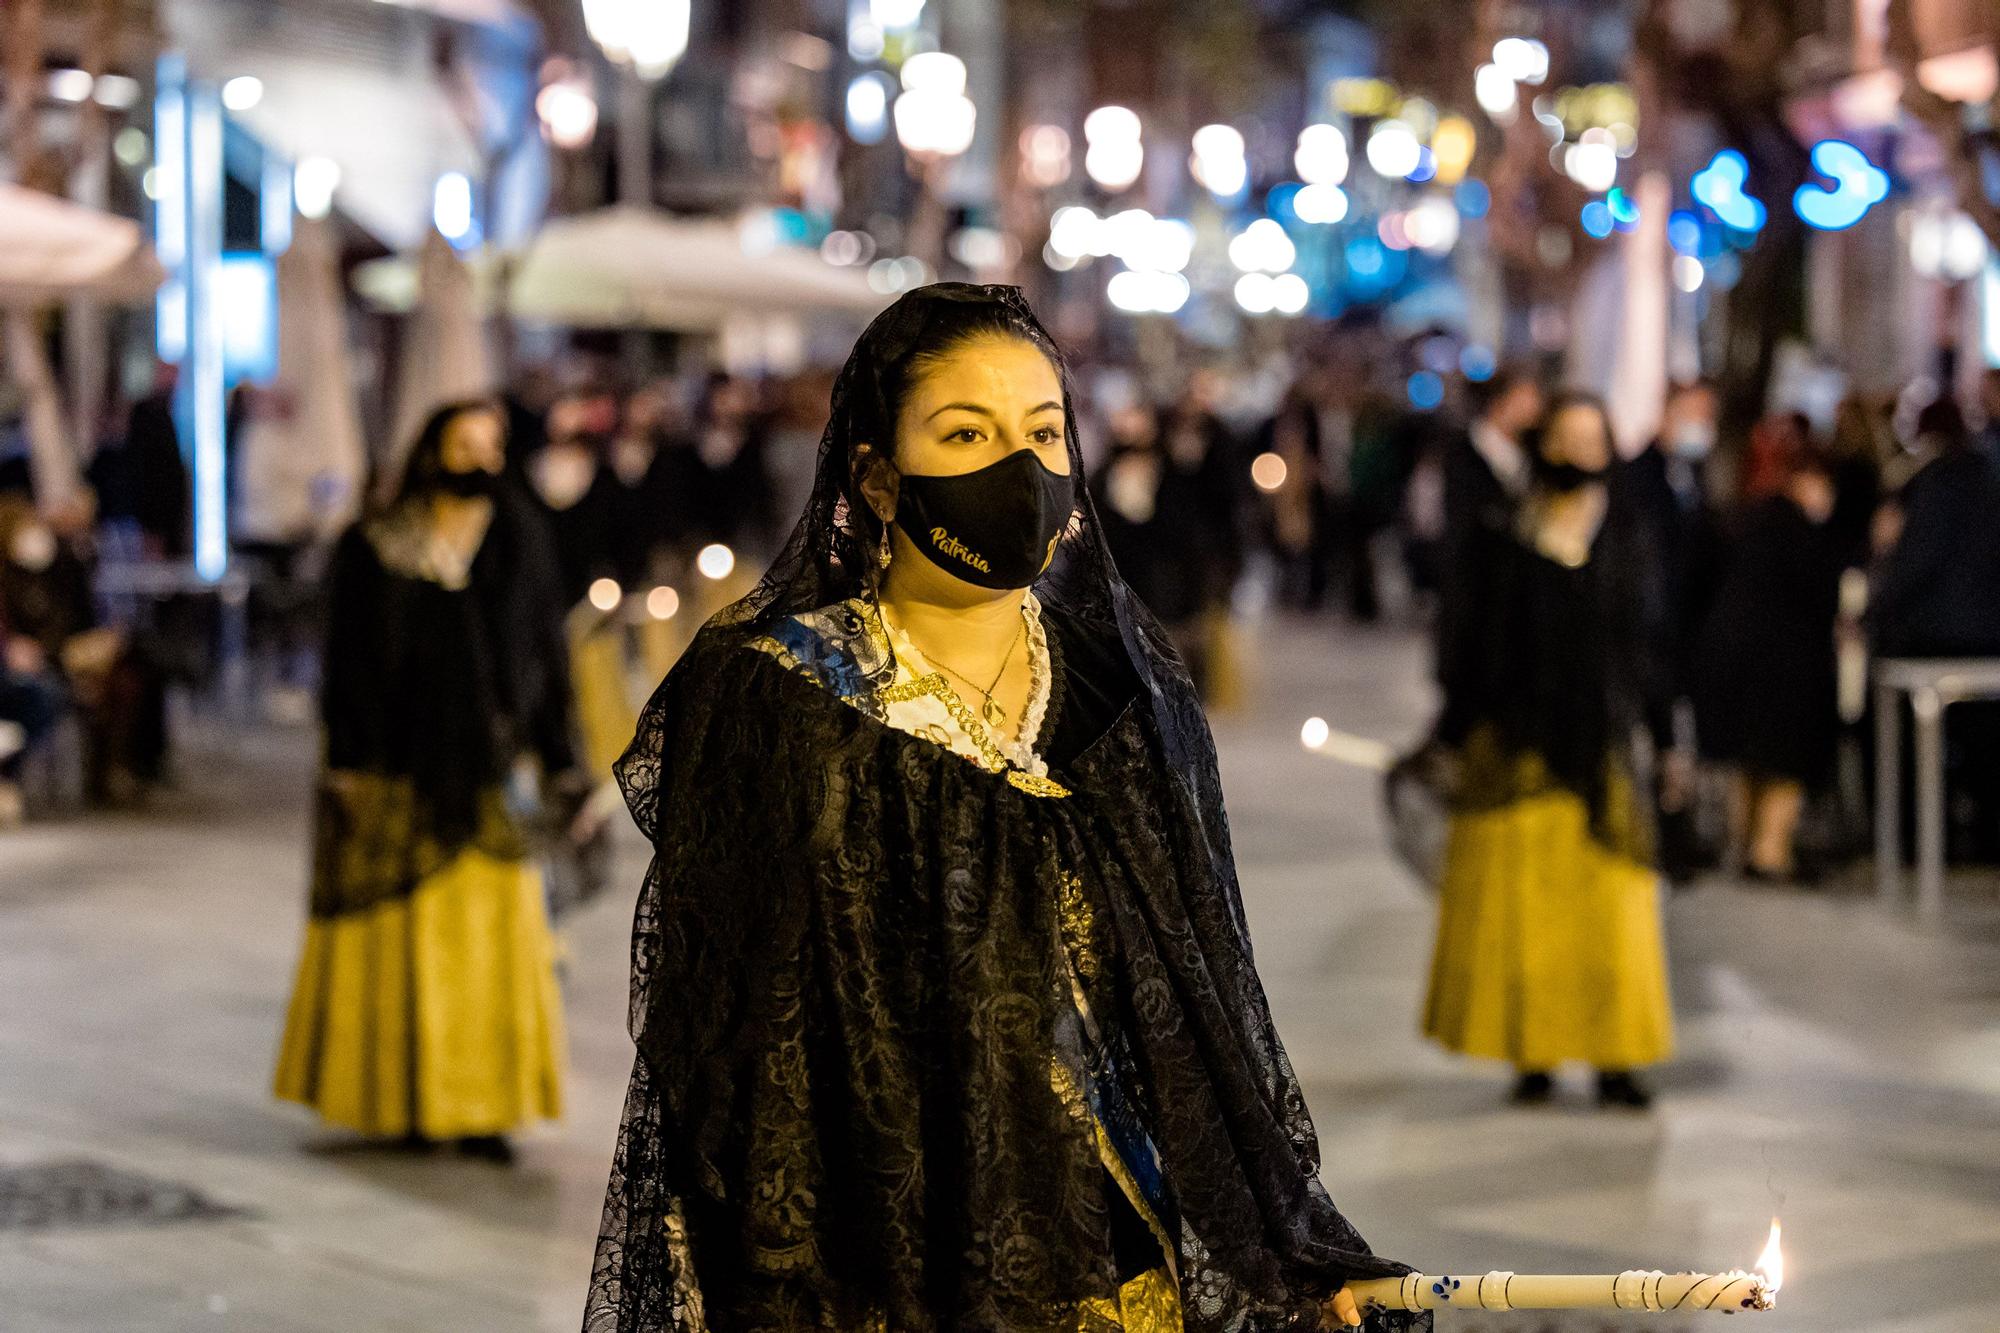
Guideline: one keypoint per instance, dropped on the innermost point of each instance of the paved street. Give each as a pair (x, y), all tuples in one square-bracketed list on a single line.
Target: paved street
[(1838, 1066)]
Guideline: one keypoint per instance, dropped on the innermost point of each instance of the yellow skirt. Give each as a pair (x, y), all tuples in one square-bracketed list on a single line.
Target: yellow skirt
[(1549, 946), (435, 1014), (604, 712)]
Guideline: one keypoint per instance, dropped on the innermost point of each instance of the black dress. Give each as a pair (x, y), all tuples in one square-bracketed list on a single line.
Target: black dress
[(890, 1004), (1766, 687)]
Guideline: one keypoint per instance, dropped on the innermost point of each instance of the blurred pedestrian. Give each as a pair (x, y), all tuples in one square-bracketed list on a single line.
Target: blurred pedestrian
[(1855, 454), (1937, 594), (1549, 942), (1678, 530), (425, 1006), (1766, 687), (118, 692), (1160, 533), (31, 704), (578, 492), (732, 435), (642, 507), (1486, 472)]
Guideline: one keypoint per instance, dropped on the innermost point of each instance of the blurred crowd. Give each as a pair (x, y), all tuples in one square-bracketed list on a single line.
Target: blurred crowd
[(1339, 478)]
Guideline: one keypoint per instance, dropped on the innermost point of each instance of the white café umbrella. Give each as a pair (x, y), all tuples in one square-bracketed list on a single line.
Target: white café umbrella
[(444, 356), (630, 267), (52, 249), (304, 464)]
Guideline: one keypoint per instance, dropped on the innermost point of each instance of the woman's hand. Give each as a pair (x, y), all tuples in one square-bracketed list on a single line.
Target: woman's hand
[(1341, 1307)]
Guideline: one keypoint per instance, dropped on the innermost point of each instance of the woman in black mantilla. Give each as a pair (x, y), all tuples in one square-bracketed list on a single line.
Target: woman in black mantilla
[(425, 1007), (943, 995)]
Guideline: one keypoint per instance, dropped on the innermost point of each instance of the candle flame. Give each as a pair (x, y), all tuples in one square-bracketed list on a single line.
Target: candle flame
[(1771, 1263)]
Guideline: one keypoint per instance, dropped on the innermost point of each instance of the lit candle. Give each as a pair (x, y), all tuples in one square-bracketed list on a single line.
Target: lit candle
[(1632, 1290)]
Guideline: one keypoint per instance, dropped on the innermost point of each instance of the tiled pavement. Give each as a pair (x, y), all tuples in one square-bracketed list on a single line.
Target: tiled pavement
[(1837, 1065)]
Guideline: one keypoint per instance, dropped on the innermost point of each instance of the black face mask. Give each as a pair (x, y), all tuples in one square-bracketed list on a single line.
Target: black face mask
[(996, 527), (468, 485), (1562, 477)]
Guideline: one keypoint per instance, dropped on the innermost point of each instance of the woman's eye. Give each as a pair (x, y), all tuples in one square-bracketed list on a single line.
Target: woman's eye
[(1046, 435), (966, 435)]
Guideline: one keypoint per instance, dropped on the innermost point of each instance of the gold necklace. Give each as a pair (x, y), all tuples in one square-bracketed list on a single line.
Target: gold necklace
[(990, 709), (936, 686)]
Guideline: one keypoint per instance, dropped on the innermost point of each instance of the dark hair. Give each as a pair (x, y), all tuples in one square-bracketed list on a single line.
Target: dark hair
[(424, 469), (1942, 419), (952, 315), (1563, 402), (1483, 394), (949, 325)]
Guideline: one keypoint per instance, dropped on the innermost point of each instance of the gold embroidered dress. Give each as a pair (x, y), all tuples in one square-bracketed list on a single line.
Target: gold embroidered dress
[(897, 684)]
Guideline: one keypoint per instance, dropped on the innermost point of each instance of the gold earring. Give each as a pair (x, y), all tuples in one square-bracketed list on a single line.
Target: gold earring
[(883, 553)]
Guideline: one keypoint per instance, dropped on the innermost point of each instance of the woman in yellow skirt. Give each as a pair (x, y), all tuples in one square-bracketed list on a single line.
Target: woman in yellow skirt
[(1549, 945), (425, 1008)]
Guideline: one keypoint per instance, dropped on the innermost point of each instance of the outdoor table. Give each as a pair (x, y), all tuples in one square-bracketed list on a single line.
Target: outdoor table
[(1933, 684)]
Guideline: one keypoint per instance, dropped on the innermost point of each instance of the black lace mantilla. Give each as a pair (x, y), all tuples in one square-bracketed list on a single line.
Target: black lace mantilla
[(848, 980)]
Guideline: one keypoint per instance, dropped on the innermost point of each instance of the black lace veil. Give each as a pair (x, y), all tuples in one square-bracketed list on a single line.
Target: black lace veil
[(1286, 1237)]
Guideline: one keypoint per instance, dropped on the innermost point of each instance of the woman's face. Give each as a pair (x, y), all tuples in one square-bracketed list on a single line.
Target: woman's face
[(1576, 434), (984, 400), (474, 442)]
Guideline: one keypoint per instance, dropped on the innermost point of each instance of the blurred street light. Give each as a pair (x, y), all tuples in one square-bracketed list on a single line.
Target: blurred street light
[(1322, 204), (934, 117), (70, 85), (1393, 150), (313, 182), (1268, 471), (1045, 155), (715, 561), (1592, 165), (646, 38), (1321, 156), (1262, 247), (566, 106), (649, 36), (1522, 59), (451, 208), (868, 107), (1217, 160), (1495, 92), (894, 14), (116, 91), (1117, 152), (1138, 292), (242, 92)]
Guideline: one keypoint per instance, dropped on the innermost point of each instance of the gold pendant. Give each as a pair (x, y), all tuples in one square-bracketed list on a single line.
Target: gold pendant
[(994, 714)]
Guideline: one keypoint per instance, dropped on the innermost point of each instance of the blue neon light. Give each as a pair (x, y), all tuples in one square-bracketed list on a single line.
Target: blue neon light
[(1719, 185), (1473, 198), (1426, 390), (1684, 232), (1858, 185), (1426, 169), (1597, 220)]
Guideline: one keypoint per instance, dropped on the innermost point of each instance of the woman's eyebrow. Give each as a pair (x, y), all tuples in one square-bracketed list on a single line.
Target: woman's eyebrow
[(963, 407), (1051, 406)]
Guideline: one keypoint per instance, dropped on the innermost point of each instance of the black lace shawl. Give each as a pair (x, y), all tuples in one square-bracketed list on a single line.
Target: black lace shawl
[(430, 694), (1545, 686), (846, 980)]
